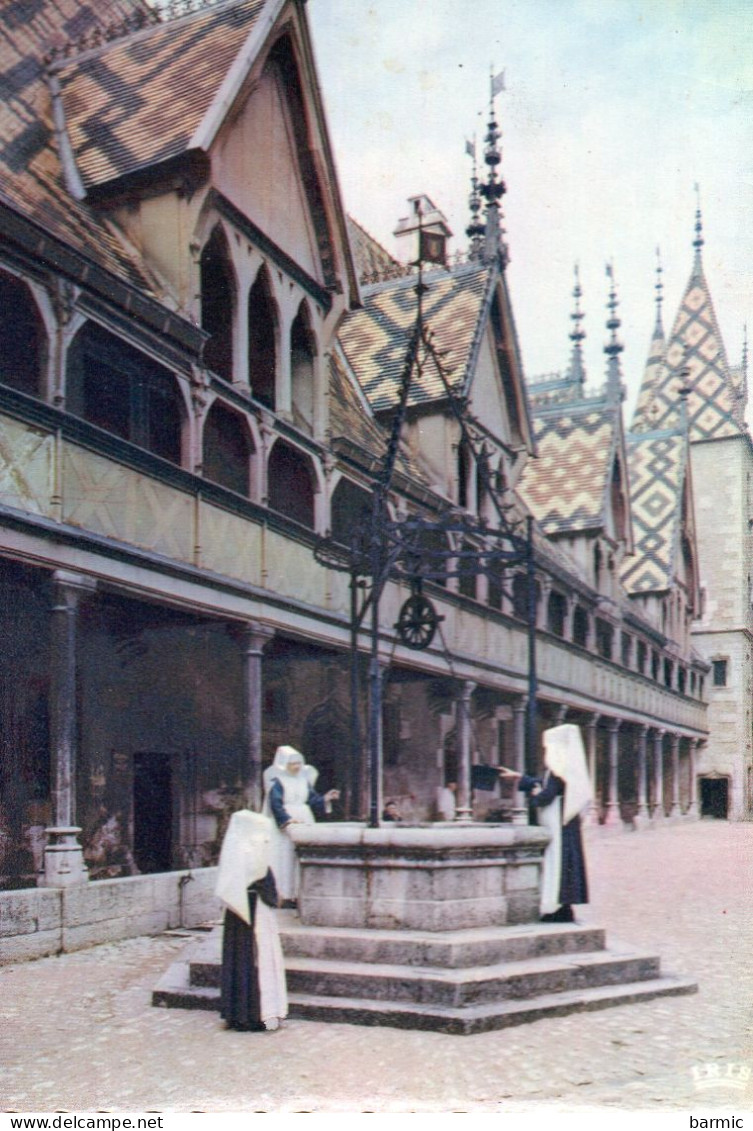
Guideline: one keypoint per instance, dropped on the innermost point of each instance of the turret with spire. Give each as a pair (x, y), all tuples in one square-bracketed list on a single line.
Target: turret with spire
[(718, 392)]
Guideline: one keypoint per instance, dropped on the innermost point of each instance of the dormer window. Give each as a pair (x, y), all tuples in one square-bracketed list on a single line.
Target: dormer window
[(302, 355), (218, 304), (262, 338)]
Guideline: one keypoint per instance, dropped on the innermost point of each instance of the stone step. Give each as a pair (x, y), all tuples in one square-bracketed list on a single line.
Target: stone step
[(482, 1018), (175, 991), (318, 978), (486, 946)]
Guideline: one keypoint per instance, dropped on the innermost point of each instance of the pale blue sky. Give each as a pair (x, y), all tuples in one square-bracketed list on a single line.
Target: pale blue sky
[(613, 110)]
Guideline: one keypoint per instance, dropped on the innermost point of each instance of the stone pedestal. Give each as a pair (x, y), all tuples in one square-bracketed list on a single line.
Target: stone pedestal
[(63, 859), (434, 878)]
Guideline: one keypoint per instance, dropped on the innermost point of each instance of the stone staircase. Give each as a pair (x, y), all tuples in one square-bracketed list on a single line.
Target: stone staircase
[(462, 981)]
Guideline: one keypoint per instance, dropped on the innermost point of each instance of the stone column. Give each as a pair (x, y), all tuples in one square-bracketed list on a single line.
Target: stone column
[(464, 809), (641, 816), (253, 638), (658, 812), (692, 812), (560, 714), (520, 810), (63, 856), (592, 817), (542, 611), (612, 816), (675, 748)]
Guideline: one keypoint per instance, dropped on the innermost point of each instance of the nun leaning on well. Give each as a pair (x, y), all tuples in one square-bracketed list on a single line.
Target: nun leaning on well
[(253, 991), (290, 799), (560, 797)]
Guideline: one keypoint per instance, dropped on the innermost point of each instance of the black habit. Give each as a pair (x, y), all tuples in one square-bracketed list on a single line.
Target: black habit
[(240, 996), (573, 882)]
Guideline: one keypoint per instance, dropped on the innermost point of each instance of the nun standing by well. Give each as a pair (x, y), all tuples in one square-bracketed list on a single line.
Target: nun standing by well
[(290, 799), (253, 990), (560, 798)]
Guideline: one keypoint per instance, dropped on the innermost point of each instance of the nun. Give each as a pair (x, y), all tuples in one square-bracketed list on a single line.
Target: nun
[(253, 990), (560, 798), (290, 799)]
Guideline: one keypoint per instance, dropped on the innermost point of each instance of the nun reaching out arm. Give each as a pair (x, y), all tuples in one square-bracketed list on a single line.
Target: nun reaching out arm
[(560, 798)]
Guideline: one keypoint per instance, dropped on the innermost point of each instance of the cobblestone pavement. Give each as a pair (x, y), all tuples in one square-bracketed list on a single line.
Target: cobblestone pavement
[(78, 1032)]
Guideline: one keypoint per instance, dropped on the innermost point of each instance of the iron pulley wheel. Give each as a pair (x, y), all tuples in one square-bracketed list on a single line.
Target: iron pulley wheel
[(417, 622)]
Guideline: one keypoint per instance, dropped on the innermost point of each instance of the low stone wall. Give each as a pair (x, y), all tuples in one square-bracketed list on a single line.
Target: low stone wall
[(35, 922), (434, 878)]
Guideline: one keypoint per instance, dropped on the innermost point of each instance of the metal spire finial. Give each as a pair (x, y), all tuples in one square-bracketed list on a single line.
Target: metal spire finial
[(698, 241), (614, 347), (659, 288), (476, 228), (577, 334), (493, 190)]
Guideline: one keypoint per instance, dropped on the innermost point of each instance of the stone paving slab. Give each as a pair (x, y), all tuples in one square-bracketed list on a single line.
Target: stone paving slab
[(78, 1032)]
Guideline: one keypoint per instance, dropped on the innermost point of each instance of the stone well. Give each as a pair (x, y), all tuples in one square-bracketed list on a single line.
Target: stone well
[(440, 877)]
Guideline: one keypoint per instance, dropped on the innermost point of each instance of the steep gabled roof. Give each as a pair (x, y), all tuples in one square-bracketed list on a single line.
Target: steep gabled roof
[(694, 355), (373, 262), (658, 467), (375, 339), (136, 102), (31, 180), (568, 488)]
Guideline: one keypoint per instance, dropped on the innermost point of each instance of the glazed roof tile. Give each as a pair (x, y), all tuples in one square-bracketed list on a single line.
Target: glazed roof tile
[(31, 177), (136, 102), (657, 468), (372, 260), (716, 404), (566, 487), (350, 420), (375, 339)]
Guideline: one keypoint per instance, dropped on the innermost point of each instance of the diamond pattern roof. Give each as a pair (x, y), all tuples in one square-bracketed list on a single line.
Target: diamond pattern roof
[(657, 468), (31, 178), (135, 102), (716, 404), (375, 339), (566, 487)]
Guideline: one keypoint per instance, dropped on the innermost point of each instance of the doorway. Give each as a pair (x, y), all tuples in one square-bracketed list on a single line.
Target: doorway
[(152, 811), (714, 797)]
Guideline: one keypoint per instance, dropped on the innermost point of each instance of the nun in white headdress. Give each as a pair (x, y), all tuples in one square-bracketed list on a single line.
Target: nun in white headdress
[(253, 989), (289, 799), (560, 798)]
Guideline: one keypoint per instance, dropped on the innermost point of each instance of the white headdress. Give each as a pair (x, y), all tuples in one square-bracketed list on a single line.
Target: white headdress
[(244, 859), (564, 756), (283, 756)]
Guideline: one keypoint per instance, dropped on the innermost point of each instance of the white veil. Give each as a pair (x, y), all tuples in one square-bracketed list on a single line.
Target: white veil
[(244, 859), (565, 756)]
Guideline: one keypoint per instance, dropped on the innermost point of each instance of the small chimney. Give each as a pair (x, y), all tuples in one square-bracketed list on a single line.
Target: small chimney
[(423, 234)]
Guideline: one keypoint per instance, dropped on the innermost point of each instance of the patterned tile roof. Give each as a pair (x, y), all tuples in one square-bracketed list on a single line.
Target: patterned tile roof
[(350, 419), (716, 405), (31, 180), (567, 487), (372, 260), (375, 339), (135, 102), (657, 470)]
